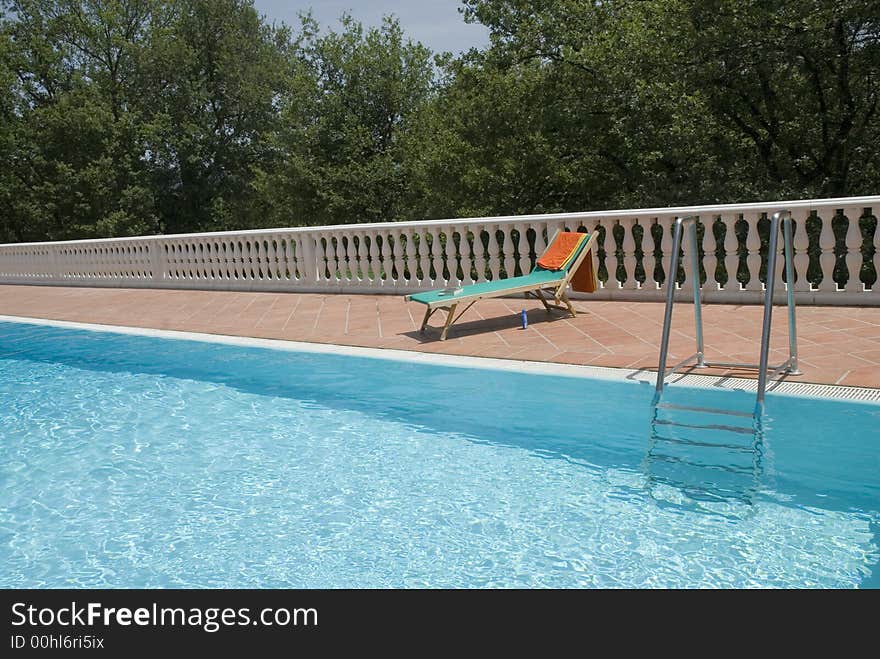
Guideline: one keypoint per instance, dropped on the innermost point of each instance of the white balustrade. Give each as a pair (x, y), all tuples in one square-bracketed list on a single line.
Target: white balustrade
[(388, 257)]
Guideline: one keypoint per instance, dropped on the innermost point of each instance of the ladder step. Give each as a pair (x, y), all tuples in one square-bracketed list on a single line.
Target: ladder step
[(707, 426), (690, 442), (709, 410), (737, 470)]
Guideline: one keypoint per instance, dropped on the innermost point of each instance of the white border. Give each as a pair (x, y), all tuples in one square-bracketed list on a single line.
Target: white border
[(788, 388)]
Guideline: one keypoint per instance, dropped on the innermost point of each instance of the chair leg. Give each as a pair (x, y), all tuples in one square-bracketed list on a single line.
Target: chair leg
[(428, 313), (540, 296), (564, 299), (450, 318)]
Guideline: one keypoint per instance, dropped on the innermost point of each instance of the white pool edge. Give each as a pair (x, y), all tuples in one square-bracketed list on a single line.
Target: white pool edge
[(783, 387)]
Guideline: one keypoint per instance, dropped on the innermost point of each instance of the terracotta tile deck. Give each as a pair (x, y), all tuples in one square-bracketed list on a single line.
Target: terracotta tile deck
[(837, 345)]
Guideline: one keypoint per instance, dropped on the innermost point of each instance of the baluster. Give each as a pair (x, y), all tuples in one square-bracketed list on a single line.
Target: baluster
[(352, 264), (540, 243), (194, 261), (304, 255), (629, 256), (204, 261), (479, 253), (801, 243), (507, 248), (207, 260), (523, 248), (238, 259), (329, 272), (854, 250), (189, 258), (710, 258), (243, 261), (397, 259), (691, 278), (268, 264), (339, 256), (247, 260), (224, 254), (875, 287), (227, 260), (96, 264), (412, 263), (209, 268), (264, 259), (436, 257), (181, 258), (827, 257), (448, 255), (420, 256), (288, 267), (205, 257), (274, 258), (467, 255), (731, 253), (753, 260), (386, 259), (494, 254), (234, 249), (256, 259), (201, 260), (375, 261), (185, 259), (363, 261), (279, 262), (667, 223)]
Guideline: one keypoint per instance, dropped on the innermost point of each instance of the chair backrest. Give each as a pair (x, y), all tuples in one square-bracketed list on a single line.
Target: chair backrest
[(572, 268)]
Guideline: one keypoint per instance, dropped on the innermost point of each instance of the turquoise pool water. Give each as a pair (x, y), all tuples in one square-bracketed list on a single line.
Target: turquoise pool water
[(129, 461)]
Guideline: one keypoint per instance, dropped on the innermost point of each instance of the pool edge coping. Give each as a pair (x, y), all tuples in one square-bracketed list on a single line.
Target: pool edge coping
[(620, 374)]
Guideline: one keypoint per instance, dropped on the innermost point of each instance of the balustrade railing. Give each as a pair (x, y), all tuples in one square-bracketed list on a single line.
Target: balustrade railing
[(836, 260)]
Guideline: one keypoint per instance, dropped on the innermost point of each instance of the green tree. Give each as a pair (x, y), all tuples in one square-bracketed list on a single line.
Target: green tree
[(212, 81), (136, 116), (351, 102), (715, 100), (73, 166)]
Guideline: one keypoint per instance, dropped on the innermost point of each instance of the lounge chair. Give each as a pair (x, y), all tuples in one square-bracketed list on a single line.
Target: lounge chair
[(565, 261)]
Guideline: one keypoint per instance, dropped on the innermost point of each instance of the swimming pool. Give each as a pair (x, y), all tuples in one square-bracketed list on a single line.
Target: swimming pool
[(135, 461)]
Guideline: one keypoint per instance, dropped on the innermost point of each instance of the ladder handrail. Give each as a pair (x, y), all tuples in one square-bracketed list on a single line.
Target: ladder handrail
[(790, 366)]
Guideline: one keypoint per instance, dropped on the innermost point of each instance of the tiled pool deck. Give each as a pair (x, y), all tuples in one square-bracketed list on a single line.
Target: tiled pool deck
[(837, 345)]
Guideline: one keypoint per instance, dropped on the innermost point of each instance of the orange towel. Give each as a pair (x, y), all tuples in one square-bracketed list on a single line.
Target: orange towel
[(559, 254), (560, 251)]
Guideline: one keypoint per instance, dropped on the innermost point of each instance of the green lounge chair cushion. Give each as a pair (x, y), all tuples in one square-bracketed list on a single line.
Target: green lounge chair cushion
[(536, 278)]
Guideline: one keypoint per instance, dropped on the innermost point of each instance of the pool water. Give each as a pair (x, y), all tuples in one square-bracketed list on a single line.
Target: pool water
[(133, 461)]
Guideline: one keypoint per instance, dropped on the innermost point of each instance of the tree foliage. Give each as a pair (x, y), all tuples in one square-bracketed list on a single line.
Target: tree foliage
[(123, 117)]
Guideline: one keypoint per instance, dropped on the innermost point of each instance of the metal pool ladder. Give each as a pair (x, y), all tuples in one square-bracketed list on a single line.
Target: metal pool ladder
[(765, 371)]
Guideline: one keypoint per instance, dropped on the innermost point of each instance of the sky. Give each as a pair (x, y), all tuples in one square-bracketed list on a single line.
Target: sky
[(436, 23)]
